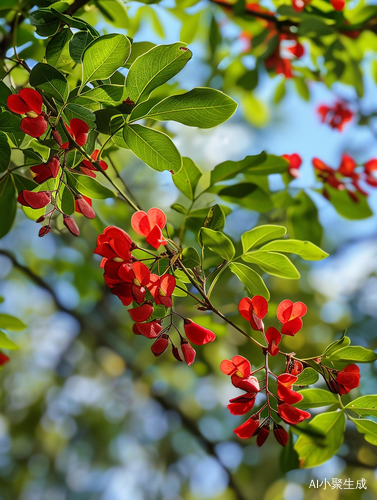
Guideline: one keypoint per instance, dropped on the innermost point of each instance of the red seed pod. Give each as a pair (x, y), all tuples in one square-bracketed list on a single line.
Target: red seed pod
[(71, 225), (188, 352), (83, 207), (44, 230), (34, 200), (160, 345), (197, 334), (57, 137)]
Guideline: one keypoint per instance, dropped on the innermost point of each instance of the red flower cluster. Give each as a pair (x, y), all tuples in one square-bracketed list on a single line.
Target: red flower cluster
[(336, 116), (294, 164), (277, 61), (289, 314), (299, 5), (131, 280), (44, 172), (239, 369), (29, 102), (87, 167), (346, 177)]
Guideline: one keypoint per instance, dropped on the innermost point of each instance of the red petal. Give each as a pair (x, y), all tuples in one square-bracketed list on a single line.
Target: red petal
[(123, 291), (248, 428), (32, 98), (155, 238), (140, 223), (34, 200), (167, 284), (260, 306), (150, 330), (83, 207), (338, 4), (35, 127), (138, 293), (273, 334), (292, 415), (347, 166), (197, 334), (141, 313), (78, 127), (369, 167), (292, 327), (142, 273), (71, 225), (188, 352), (241, 404), (284, 310), (245, 308), (3, 359), (287, 395), (299, 310), (17, 105), (160, 345), (242, 364), (286, 379), (249, 384), (263, 434), (281, 435), (227, 367), (156, 217)]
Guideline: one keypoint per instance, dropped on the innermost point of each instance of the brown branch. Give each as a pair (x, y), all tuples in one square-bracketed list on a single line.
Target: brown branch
[(77, 5)]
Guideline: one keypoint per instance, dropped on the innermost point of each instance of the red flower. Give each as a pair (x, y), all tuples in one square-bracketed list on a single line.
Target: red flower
[(88, 167), (162, 288), (338, 4), (141, 313), (273, 338), (151, 330), (282, 66), (83, 205), (254, 310), (294, 367), (34, 200), (45, 172), (241, 404), (294, 164), (188, 351), (29, 102), (290, 315), (248, 428), (4, 359), (71, 225), (299, 5), (327, 174), (292, 415), (336, 116), (78, 130), (280, 434), (197, 334), (239, 370), (369, 168), (297, 49), (285, 393), (160, 345), (115, 246), (134, 278), (150, 224), (345, 381), (347, 166)]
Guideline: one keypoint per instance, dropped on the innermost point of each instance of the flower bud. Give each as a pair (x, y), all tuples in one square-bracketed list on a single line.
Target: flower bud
[(44, 230), (71, 225)]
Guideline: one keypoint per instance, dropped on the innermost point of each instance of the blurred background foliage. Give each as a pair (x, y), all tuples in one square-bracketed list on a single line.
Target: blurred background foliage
[(87, 411)]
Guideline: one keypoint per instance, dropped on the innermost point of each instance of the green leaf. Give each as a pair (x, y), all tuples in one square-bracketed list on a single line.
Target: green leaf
[(230, 169), (154, 148), (314, 398), (200, 107), (45, 22), (215, 218), (78, 44), (187, 178), (348, 208), (5, 92), (353, 354), (177, 292), (107, 93), (260, 234), (245, 194), (303, 218), (103, 56), (313, 452), (22, 182), (154, 68), (368, 428), (57, 50), (217, 242), (10, 124), (6, 343), (73, 22), (289, 457), (73, 110), (307, 377), (302, 88), (10, 322), (89, 187), (8, 204), (66, 201), (48, 79), (5, 152), (251, 279), (335, 346), (190, 257), (273, 263), (366, 405), (138, 49), (305, 249)]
